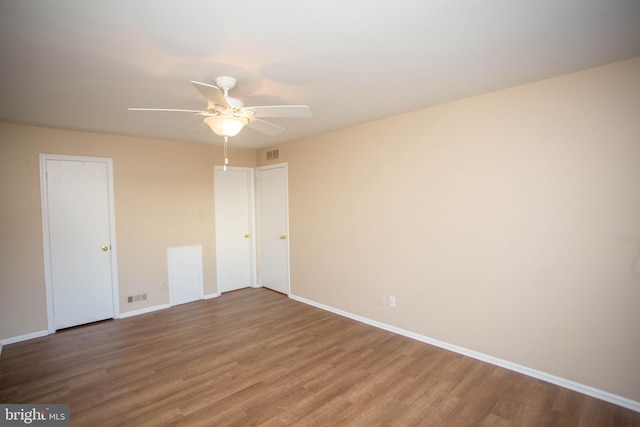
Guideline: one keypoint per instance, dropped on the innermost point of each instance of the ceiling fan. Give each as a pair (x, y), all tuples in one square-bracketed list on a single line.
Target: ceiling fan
[(226, 116)]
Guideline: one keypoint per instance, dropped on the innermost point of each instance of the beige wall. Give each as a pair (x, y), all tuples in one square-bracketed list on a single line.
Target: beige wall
[(508, 223), (163, 198)]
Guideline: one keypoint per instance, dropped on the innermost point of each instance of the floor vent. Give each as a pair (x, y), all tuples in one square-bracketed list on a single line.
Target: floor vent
[(273, 154), (136, 298)]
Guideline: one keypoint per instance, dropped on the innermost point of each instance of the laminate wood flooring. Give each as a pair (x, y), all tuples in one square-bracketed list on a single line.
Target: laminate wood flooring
[(255, 357)]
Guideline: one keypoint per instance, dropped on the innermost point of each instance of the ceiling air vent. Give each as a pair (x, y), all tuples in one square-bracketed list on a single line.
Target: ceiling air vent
[(273, 154)]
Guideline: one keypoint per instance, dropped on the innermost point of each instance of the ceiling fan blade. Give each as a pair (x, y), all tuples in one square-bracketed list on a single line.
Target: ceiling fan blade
[(198, 128), (292, 111), (211, 93), (265, 127), (175, 110)]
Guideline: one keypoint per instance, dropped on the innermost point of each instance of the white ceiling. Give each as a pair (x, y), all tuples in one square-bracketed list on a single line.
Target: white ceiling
[(79, 64)]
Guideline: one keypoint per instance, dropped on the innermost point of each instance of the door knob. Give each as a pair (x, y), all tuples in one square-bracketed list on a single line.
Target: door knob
[(246, 236), (283, 237), (105, 248)]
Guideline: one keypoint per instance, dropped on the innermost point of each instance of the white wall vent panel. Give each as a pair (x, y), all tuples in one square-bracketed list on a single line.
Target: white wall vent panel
[(185, 274)]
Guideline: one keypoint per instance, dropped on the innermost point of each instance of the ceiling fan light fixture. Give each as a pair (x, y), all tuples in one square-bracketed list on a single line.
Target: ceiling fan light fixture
[(226, 125)]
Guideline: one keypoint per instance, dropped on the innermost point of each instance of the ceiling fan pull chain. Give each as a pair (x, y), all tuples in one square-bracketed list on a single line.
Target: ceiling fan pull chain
[(226, 159)]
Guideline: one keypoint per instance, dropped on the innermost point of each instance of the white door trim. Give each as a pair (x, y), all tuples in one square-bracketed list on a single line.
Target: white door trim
[(252, 231), (48, 281), (284, 165)]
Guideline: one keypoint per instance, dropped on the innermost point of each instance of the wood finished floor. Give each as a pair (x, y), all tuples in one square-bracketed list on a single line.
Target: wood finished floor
[(255, 357)]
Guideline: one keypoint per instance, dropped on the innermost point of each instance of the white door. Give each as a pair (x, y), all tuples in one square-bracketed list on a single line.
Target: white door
[(234, 227), (79, 240), (273, 224)]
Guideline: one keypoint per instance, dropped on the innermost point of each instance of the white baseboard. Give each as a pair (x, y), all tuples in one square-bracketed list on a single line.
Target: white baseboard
[(209, 296), (562, 382), (24, 337), (143, 310)]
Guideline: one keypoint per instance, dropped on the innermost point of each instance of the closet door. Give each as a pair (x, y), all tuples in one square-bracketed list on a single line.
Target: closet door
[(273, 225), (78, 237), (234, 227)]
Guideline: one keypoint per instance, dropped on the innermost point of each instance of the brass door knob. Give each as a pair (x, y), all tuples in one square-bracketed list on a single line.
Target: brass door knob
[(246, 236), (283, 237), (105, 248)]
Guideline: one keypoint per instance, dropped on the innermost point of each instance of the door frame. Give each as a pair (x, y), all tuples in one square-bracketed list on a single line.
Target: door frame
[(252, 222), (48, 279), (284, 165)]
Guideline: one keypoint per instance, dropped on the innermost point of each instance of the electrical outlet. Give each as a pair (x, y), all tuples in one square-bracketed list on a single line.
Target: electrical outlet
[(392, 302), (383, 299)]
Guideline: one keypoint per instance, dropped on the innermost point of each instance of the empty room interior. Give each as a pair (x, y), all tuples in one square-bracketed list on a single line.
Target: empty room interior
[(428, 212)]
